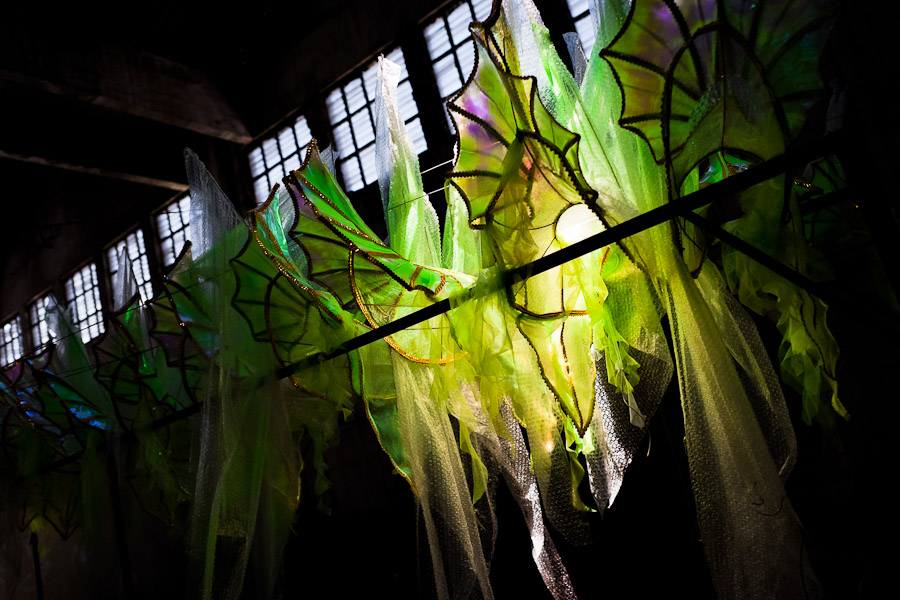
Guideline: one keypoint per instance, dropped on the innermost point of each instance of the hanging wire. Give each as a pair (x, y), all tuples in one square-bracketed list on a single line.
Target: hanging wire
[(446, 162), (396, 206)]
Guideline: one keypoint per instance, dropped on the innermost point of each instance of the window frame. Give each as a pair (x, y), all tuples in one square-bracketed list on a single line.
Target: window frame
[(35, 344), (157, 230), (340, 85), (15, 317), (100, 305), (289, 123), (110, 271), (580, 17), (442, 15)]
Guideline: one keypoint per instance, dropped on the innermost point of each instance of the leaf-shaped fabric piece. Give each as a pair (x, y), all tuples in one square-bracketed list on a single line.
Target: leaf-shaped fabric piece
[(126, 366), (346, 258), (295, 320), (702, 76), (517, 170), (511, 151), (170, 313), (566, 363), (808, 352)]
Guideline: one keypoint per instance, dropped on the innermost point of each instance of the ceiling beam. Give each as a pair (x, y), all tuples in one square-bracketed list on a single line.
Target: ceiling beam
[(131, 82), (131, 177)]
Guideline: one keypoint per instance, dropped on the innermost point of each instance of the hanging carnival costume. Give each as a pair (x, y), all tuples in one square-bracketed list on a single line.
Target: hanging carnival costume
[(523, 375)]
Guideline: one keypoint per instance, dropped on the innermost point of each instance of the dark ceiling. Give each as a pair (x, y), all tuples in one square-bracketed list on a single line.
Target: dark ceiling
[(98, 100), (104, 96)]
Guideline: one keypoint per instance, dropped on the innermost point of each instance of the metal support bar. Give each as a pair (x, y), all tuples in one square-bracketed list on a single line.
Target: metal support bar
[(680, 207), (774, 265)]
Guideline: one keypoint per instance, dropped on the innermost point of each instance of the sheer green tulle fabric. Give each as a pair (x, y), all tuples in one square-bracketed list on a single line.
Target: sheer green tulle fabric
[(539, 381)]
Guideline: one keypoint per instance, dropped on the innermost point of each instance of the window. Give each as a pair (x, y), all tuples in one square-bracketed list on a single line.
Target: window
[(584, 25), (174, 225), (137, 252), (37, 316), (451, 47), (275, 156), (83, 297), (11, 341), (351, 108)]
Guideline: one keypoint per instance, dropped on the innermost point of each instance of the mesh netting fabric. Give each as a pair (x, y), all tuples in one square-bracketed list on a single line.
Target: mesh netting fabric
[(576, 55), (752, 537), (509, 455), (245, 489), (436, 471)]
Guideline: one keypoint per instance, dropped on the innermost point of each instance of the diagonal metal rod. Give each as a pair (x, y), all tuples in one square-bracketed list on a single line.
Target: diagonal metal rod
[(779, 268), (680, 207)]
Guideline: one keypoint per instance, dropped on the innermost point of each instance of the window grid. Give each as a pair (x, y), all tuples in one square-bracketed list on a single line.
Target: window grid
[(37, 316), (351, 109), (83, 298), (273, 157), (584, 26), (11, 341), (174, 226), (451, 47), (137, 253)]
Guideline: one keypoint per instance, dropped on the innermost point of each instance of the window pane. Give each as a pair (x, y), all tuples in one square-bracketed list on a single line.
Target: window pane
[(405, 101), (267, 159), (173, 223), (370, 165), (336, 108), (257, 166), (37, 316), (466, 54), (459, 20), (261, 189), (354, 137), (356, 97), (437, 38), (343, 140), (292, 164), (362, 128), (270, 151), (11, 341), (483, 9), (416, 135), (133, 244), (83, 297), (352, 177), (452, 69), (370, 79), (576, 7), (301, 130), (286, 142), (447, 76), (275, 176), (584, 27)]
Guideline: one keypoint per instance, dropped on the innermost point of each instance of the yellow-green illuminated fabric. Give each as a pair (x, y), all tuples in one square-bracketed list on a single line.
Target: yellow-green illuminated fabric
[(543, 383)]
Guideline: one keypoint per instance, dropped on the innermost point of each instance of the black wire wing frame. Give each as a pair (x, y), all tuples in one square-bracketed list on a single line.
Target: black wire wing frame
[(680, 207)]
